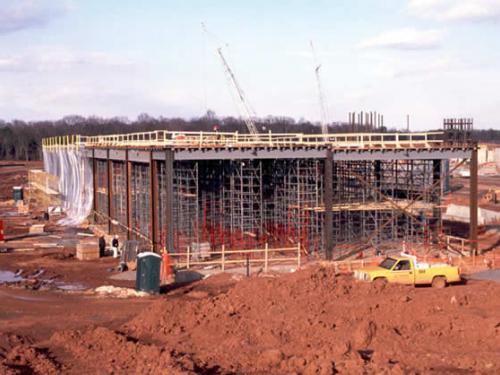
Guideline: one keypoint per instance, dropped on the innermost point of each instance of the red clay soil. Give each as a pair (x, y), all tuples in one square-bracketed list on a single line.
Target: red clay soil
[(14, 173), (308, 322)]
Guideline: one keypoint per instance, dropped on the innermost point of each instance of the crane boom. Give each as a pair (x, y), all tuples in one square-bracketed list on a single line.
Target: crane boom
[(321, 95), (252, 129)]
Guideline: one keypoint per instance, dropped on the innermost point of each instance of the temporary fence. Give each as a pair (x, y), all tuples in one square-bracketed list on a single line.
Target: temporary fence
[(227, 258)]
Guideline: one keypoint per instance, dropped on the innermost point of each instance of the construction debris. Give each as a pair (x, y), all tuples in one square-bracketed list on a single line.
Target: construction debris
[(117, 292)]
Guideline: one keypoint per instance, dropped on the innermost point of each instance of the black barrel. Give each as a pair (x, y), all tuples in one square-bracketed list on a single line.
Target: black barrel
[(147, 278)]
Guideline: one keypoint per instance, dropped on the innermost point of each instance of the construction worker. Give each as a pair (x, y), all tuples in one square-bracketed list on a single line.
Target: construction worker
[(114, 246)]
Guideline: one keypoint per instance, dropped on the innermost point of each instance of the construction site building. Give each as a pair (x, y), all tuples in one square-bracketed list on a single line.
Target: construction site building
[(332, 194)]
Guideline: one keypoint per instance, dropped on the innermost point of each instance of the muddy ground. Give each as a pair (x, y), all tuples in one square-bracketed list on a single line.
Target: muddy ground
[(312, 321)]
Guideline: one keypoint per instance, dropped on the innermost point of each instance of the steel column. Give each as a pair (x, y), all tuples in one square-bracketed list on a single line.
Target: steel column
[(473, 201), (110, 176), (328, 194), (94, 184), (169, 200), (436, 199), (128, 174), (153, 185)]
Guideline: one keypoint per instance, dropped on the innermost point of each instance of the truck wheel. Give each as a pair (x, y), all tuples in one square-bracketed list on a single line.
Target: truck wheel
[(439, 282), (380, 282)]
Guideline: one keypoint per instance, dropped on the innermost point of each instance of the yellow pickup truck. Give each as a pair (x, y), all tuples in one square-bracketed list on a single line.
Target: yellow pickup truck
[(405, 269)]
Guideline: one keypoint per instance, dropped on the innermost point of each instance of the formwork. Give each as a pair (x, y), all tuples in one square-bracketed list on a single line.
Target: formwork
[(331, 194)]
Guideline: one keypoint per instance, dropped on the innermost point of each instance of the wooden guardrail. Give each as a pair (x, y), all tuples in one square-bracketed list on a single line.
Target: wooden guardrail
[(457, 244), (235, 257)]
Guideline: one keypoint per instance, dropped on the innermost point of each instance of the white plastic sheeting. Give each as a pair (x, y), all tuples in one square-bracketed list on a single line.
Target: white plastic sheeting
[(497, 159), (75, 181), (455, 212)]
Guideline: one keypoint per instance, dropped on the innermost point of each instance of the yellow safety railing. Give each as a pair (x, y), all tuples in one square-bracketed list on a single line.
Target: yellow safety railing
[(180, 139)]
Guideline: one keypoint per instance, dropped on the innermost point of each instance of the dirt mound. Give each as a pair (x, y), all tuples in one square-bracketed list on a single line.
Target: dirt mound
[(18, 355), (308, 322), (314, 321), (103, 351)]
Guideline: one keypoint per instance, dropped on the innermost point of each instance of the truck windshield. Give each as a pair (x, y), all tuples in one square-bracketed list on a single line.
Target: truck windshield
[(387, 263)]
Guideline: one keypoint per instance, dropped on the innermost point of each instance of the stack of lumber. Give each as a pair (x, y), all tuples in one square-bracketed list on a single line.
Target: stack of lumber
[(37, 229), (88, 249)]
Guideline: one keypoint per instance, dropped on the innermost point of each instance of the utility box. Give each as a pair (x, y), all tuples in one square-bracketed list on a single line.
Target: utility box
[(147, 278)]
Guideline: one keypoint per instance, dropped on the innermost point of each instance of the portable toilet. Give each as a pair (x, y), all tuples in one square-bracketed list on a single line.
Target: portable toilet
[(17, 192), (148, 272)]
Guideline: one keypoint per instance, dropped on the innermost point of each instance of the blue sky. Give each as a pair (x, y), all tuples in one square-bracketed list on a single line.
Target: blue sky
[(427, 58)]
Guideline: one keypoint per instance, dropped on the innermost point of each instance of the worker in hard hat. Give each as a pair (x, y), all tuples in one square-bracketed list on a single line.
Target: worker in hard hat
[(114, 246)]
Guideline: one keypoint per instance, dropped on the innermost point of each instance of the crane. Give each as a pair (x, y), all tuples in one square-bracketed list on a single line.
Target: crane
[(250, 114), (322, 103)]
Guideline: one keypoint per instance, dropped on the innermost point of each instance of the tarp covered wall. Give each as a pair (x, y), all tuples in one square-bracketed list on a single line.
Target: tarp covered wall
[(75, 181)]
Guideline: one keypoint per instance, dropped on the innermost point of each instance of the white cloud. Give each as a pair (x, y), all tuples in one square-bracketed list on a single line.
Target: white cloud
[(405, 39), (17, 15), (440, 65), (456, 10), (54, 58)]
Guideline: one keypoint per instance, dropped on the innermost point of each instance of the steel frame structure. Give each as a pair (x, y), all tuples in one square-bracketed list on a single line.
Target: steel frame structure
[(327, 193)]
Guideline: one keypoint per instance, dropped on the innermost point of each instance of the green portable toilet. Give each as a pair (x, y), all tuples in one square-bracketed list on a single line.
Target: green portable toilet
[(17, 192), (147, 278)]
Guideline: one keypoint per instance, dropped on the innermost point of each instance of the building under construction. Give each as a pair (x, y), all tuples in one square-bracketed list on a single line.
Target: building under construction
[(332, 194)]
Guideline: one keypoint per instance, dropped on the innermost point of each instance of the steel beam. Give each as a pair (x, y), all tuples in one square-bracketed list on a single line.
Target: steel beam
[(328, 197), (139, 156), (100, 154), (473, 202), (118, 155), (402, 154), (320, 153)]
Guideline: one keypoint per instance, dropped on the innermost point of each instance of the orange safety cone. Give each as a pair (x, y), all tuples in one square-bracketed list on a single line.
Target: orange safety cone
[(166, 267)]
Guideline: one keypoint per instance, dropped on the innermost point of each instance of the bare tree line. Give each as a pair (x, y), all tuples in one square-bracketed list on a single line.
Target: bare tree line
[(20, 140)]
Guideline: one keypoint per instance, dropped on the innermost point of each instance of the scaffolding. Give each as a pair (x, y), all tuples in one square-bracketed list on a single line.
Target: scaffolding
[(118, 196), (140, 201), (101, 190)]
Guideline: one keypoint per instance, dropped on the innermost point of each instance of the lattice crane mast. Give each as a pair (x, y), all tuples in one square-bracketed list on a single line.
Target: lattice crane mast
[(249, 113), (321, 96)]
